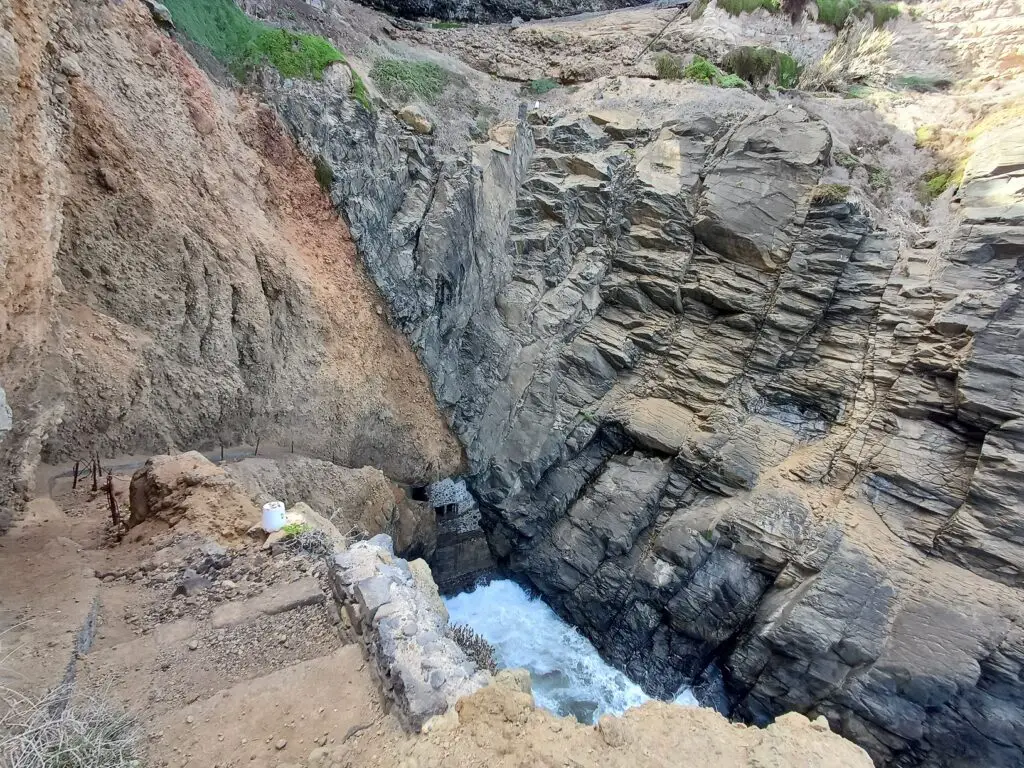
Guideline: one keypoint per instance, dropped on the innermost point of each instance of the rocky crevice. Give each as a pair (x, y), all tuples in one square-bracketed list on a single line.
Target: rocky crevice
[(713, 422)]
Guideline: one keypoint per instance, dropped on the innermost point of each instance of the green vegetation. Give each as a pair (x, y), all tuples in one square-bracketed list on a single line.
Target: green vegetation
[(836, 12), (731, 81), (829, 194), (883, 12), (846, 160), (923, 83), (296, 529), (405, 79), (698, 8), (937, 181), (701, 70), (447, 25), (736, 7), (242, 43), (789, 71), (542, 86), (926, 136), (758, 64), (668, 67), (879, 178)]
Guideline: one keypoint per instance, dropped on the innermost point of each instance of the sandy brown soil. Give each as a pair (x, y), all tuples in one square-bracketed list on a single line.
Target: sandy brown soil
[(280, 690)]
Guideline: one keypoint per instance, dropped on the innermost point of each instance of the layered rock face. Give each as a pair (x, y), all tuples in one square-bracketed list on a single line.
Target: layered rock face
[(718, 419)]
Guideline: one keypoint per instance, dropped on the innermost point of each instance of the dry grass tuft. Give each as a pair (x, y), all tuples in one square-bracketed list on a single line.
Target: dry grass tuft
[(55, 731), (859, 56), (475, 647)]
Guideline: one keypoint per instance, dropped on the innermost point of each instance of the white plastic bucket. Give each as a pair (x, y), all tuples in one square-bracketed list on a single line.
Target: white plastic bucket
[(273, 516)]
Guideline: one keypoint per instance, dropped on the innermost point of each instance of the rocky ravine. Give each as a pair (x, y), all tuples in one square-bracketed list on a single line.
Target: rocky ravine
[(717, 423)]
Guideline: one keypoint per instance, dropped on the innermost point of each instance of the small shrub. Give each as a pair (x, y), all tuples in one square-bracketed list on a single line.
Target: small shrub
[(730, 81), (879, 178), (698, 8), (736, 7), (829, 194), (447, 25), (404, 79), (294, 529), (542, 86), (701, 70), (668, 67), (884, 12), (859, 55), (752, 63), (935, 182), (474, 646), (789, 71), (846, 160)]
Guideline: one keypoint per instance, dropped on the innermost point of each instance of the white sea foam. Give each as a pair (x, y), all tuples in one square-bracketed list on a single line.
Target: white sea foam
[(569, 677)]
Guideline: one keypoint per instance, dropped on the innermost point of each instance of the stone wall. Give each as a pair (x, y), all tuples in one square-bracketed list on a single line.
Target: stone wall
[(395, 612)]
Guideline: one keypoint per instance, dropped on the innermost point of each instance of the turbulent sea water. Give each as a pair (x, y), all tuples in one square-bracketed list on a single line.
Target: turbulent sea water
[(569, 677)]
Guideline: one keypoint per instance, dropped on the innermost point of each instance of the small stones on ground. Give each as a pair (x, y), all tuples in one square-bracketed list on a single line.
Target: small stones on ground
[(281, 744), (193, 645), (190, 719)]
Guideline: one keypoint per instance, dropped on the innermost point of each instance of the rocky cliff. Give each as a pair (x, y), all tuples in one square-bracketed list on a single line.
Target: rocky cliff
[(734, 418), (173, 276), (715, 412)]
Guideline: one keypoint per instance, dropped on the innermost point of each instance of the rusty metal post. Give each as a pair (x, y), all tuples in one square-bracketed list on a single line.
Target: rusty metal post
[(74, 482), (115, 513)]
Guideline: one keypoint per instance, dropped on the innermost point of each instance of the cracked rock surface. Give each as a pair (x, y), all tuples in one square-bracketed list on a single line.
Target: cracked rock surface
[(716, 423)]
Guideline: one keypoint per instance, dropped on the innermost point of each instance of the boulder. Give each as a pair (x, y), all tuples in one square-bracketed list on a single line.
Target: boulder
[(414, 117), (189, 492)]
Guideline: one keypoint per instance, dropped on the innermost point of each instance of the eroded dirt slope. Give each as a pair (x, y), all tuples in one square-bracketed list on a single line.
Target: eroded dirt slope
[(173, 274)]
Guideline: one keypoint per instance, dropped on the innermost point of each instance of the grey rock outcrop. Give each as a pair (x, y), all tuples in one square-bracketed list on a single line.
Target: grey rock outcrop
[(394, 612), (716, 424)]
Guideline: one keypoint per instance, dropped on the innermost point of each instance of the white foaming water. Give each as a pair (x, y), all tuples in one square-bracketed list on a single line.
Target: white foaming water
[(569, 677)]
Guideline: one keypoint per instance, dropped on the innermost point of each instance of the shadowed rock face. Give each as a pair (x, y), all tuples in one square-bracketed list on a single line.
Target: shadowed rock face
[(714, 422), (494, 10)]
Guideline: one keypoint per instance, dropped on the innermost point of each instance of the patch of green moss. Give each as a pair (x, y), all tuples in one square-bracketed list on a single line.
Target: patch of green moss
[(937, 181), (447, 25), (406, 79), (542, 86), (730, 81), (829, 194)]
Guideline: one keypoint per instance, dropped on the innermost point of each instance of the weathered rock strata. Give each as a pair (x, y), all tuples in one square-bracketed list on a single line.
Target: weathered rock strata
[(715, 422)]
